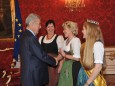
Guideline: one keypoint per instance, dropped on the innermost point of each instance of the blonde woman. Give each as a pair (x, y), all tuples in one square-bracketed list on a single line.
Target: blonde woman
[(71, 53), (93, 56)]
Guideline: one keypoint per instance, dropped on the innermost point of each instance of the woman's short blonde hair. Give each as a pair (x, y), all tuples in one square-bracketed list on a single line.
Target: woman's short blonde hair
[(71, 26)]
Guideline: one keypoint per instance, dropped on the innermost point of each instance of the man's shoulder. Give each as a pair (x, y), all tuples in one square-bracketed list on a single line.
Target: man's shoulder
[(26, 35)]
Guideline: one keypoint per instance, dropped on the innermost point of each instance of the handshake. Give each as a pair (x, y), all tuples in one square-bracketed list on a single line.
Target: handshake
[(61, 55), (58, 57)]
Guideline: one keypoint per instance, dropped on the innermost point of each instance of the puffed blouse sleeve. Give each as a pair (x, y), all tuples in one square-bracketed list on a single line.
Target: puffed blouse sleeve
[(76, 45), (98, 52), (60, 41), (40, 39)]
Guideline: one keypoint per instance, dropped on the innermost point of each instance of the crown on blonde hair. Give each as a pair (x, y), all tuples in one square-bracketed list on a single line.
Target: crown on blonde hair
[(92, 21)]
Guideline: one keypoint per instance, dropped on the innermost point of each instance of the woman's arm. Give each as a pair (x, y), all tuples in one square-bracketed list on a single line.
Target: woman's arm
[(71, 57), (98, 61), (75, 47), (68, 56), (60, 65), (94, 74)]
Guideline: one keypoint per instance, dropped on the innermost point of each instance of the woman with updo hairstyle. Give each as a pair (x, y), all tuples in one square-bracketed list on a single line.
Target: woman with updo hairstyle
[(70, 65)]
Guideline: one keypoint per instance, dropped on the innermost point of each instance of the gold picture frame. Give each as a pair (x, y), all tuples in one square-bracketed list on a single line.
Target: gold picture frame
[(7, 20)]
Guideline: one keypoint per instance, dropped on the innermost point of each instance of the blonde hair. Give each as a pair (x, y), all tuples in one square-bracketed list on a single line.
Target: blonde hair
[(94, 34), (71, 26)]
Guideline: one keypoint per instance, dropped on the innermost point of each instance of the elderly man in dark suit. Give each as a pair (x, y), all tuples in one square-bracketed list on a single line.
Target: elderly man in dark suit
[(34, 61)]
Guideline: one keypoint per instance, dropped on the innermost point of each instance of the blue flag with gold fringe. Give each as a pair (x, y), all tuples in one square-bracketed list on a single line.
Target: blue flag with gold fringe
[(18, 30)]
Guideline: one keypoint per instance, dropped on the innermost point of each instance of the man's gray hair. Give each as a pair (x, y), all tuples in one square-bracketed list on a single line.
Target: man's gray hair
[(31, 17)]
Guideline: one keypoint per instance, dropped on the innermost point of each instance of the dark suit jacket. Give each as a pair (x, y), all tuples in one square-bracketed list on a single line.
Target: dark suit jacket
[(34, 61)]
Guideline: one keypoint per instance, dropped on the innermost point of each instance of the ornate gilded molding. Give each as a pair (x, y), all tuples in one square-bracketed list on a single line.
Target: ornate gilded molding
[(6, 49), (112, 56)]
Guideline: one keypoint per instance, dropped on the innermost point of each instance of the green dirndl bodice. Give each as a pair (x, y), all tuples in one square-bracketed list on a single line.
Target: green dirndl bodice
[(65, 78)]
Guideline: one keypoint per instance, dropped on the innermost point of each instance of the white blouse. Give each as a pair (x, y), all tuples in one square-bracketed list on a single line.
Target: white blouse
[(75, 45), (98, 51), (59, 40)]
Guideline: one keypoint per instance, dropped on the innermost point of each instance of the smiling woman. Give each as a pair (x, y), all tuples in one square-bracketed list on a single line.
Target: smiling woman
[(7, 16)]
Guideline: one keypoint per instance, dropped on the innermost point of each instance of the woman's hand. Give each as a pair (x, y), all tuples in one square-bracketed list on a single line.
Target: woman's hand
[(62, 52), (86, 84), (59, 69), (60, 66), (59, 57)]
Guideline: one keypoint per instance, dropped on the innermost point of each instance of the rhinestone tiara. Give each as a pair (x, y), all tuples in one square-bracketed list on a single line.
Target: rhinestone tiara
[(92, 21)]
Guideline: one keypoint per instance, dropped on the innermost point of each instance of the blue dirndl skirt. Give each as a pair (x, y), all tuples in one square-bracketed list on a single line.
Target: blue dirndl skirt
[(82, 78)]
